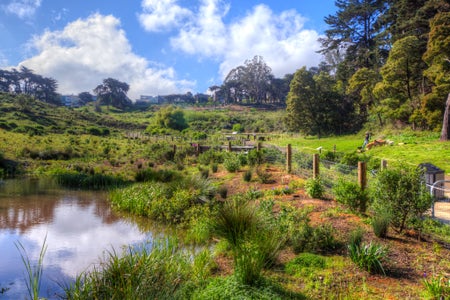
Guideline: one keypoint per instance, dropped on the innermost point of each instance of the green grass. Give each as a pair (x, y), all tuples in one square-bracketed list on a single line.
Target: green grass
[(409, 147)]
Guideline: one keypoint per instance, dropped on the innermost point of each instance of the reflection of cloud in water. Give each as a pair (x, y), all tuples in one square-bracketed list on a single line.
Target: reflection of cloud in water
[(76, 239)]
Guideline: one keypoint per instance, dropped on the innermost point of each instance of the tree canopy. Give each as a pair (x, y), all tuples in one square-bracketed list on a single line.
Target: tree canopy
[(113, 92)]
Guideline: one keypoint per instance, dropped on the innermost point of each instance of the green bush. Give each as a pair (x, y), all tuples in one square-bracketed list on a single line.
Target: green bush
[(306, 238), (351, 195), (402, 194), (350, 159), (314, 188), (210, 156), (255, 157), (232, 163), (263, 176)]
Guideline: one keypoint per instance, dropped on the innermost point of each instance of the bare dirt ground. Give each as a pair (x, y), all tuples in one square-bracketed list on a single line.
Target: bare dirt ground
[(410, 255)]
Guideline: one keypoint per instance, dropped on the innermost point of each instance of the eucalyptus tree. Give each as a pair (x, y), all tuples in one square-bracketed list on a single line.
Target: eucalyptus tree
[(250, 81)]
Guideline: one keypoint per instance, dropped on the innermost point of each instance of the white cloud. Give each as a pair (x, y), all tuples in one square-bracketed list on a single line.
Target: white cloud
[(280, 38), (160, 15), (22, 8), (89, 50)]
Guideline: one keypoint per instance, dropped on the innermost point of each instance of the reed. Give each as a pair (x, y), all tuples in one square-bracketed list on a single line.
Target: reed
[(33, 272)]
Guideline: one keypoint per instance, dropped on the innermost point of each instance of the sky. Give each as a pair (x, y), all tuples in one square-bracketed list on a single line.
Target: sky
[(158, 47)]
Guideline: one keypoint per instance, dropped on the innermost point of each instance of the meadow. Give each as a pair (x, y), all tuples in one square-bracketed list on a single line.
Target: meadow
[(262, 233)]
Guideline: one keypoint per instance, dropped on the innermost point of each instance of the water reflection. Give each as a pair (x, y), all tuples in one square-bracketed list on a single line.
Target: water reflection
[(79, 227)]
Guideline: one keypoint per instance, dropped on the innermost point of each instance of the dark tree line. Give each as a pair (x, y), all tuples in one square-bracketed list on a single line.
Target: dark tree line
[(386, 62), (25, 81)]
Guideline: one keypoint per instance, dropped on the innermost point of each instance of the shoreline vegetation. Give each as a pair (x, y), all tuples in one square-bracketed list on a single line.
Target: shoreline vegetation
[(246, 229)]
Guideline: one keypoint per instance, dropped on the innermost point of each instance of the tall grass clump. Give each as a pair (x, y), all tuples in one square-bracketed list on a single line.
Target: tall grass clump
[(250, 237), (162, 270), (165, 202), (436, 287), (380, 224), (33, 272), (72, 179), (366, 256)]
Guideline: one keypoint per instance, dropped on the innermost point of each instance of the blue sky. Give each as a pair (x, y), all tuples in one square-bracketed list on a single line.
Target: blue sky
[(158, 46)]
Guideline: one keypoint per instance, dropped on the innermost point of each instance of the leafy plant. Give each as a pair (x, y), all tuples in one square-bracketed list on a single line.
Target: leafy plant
[(314, 188), (402, 193), (304, 262), (351, 195), (368, 256), (232, 163)]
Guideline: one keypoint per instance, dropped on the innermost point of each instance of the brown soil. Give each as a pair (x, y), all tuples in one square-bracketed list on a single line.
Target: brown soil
[(409, 258)]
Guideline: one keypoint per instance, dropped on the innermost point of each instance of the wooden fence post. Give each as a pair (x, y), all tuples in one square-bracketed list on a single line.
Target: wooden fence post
[(383, 164), (258, 146), (229, 146), (316, 170), (362, 175), (289, 158), (174, 149)]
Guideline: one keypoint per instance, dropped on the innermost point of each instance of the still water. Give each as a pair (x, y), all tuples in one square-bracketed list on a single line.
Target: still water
[(78, 227)]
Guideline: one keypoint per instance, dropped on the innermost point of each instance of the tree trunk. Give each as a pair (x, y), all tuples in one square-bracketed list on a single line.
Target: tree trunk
[(445, 123)]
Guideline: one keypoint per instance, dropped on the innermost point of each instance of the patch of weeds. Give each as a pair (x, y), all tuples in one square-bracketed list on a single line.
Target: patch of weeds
[(304, 264), (436, 287)]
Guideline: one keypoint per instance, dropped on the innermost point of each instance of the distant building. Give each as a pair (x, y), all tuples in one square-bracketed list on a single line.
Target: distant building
[(149, 99), (71, 100)]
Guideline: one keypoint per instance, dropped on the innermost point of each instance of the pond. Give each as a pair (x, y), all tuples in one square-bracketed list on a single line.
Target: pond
[(77, 226)]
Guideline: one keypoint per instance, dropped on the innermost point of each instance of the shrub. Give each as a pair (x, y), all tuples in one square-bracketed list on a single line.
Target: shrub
[(306, 238), (263, 176), (214, 167), (350, 159), (210, 156), (247, 176), (402, 194), (232, 163), (351, 195), (255, 157), (314, 188)]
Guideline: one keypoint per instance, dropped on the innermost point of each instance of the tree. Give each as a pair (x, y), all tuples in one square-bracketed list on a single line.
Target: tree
[(402, 86), (354, 30), (85, 97), (361, 85), (250, 81), (314, 106), (113, 92), (437, 57)]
